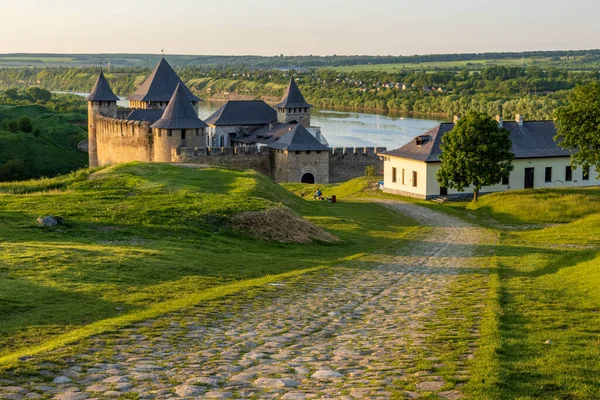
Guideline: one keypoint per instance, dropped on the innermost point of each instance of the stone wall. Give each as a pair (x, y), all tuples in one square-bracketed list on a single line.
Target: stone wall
[(120, 141), (347, 163), (291, 166), (258, 159), (96, 109), (300, 115)]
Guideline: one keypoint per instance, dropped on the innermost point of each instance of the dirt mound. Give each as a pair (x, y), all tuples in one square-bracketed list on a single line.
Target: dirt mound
[(281, 225)]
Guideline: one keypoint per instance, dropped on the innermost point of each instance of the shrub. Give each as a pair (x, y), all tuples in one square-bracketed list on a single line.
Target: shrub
[(370, 171), (14, 170), (12, 125), (25, 124)]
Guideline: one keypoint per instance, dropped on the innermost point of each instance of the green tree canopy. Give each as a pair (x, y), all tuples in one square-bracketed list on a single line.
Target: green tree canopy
[(477, 153), (578, 125)]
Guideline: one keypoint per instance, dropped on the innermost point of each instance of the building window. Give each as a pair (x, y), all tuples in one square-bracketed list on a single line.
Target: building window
[(308, 152), (414, 179), (568, 174), (394, 175), (169, 132), (586, 173), (403, 174), (505, 180), (548, 174)]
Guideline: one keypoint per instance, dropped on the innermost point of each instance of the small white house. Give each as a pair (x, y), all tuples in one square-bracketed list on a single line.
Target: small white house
[(539, 162)]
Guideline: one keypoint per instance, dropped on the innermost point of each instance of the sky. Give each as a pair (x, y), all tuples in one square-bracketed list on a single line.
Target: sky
[(298, 27)]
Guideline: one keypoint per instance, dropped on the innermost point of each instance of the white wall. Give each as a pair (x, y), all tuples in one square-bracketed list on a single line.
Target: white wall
[(429, 187), (409, 166)]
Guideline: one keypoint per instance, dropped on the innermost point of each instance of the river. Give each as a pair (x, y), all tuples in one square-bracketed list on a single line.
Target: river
[(353, 128)]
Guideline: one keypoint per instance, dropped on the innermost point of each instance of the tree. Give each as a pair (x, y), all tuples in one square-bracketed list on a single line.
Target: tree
[(475, 153), (25, 124), (578, 125), (36, 93), (14, 170)]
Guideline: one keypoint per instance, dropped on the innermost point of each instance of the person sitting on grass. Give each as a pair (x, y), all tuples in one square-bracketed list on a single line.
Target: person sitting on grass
[(318, 195)]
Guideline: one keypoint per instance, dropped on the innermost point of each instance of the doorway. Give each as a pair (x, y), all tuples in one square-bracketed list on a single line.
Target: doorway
[(529, 175), (308, 178)]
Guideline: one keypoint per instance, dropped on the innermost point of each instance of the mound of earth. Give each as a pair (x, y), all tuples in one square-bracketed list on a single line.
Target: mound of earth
[(281, 225)]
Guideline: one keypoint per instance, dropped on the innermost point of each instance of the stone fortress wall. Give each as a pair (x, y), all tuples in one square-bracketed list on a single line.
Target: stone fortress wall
[(346, 163), (120, 141)]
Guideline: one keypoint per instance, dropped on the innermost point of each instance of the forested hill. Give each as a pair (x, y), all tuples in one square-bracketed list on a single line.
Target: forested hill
[(281, 61)]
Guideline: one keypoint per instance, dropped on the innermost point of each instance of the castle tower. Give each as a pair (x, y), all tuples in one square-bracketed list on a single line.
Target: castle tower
[(101, 102), (157, 89), (293, 107), (178, 127)]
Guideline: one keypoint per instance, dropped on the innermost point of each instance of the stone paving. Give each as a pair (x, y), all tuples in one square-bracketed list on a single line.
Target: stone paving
[(348, 334)]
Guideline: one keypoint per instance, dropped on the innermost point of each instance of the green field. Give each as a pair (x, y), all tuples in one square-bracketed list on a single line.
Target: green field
[(142, 240), (475, 65)]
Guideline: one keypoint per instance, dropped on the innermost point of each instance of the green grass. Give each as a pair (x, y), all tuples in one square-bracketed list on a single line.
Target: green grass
[(355, 187), (51, 153), (141, 240), (473, 64)]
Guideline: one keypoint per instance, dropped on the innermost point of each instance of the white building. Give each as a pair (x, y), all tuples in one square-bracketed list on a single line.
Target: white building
[(539, 162)]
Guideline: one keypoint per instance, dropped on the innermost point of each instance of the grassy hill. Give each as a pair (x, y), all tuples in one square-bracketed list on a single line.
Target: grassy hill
[(51, 149), (141, 240)]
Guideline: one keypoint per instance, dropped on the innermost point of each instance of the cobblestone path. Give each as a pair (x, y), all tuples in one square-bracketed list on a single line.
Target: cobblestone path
[(359, 331)]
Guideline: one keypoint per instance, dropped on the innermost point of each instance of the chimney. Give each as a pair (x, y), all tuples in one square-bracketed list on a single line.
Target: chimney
[(519, 119), (500, 120), (456, 119)]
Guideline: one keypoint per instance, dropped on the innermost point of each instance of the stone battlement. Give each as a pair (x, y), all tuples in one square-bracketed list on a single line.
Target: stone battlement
[(123, 126), (364, 151), (257, 158), (120, 140)]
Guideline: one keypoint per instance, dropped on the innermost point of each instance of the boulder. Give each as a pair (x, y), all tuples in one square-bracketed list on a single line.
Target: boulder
[(50, 221)]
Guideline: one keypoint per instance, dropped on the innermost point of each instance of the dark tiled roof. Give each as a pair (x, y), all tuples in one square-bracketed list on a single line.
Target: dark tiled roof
[(535, 139), (243, 112), (179, 114), (102, 91), (299, 139), (160, 85), (145, 115), (266, 135), (293, 97)]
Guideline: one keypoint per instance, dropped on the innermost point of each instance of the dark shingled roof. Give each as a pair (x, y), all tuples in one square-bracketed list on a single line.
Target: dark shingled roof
[(535, 139), (150, 115), (243, 112), (179, 114), (265, 135), (160, 85), (102, 91), (299, 139), (293, 97)]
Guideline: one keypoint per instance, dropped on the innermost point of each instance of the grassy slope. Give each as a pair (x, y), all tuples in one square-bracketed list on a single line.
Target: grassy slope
[(54, 151), (143, 239), (549, 291)]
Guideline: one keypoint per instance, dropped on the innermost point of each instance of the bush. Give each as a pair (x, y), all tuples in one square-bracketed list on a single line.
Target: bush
[(25, 124), (14, 170), (370, 171), (12, 126)]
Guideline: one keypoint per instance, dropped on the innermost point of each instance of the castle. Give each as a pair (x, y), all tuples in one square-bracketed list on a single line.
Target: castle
[(162, 125)]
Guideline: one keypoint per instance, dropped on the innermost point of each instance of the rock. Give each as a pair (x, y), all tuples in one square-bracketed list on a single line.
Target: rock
[(203, 380), (116, 379), (189, 390), (275, 383), (47, 222), (450, 395), (15, 389), (71, 396), (61, 379), (218, 395), (430, 386), (325, 375), (83, 146), (548, 342)]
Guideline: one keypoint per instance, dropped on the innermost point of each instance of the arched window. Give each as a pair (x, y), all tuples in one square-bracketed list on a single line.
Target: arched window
[(221, 141)]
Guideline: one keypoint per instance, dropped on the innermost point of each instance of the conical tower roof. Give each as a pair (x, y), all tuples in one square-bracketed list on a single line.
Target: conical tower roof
[(293, 97), (179, 114), (299, 139), (102, 91), (161, 83)]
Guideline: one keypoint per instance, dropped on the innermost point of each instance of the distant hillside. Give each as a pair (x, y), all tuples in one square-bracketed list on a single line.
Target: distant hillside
[(48, 150), (276, 61)]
